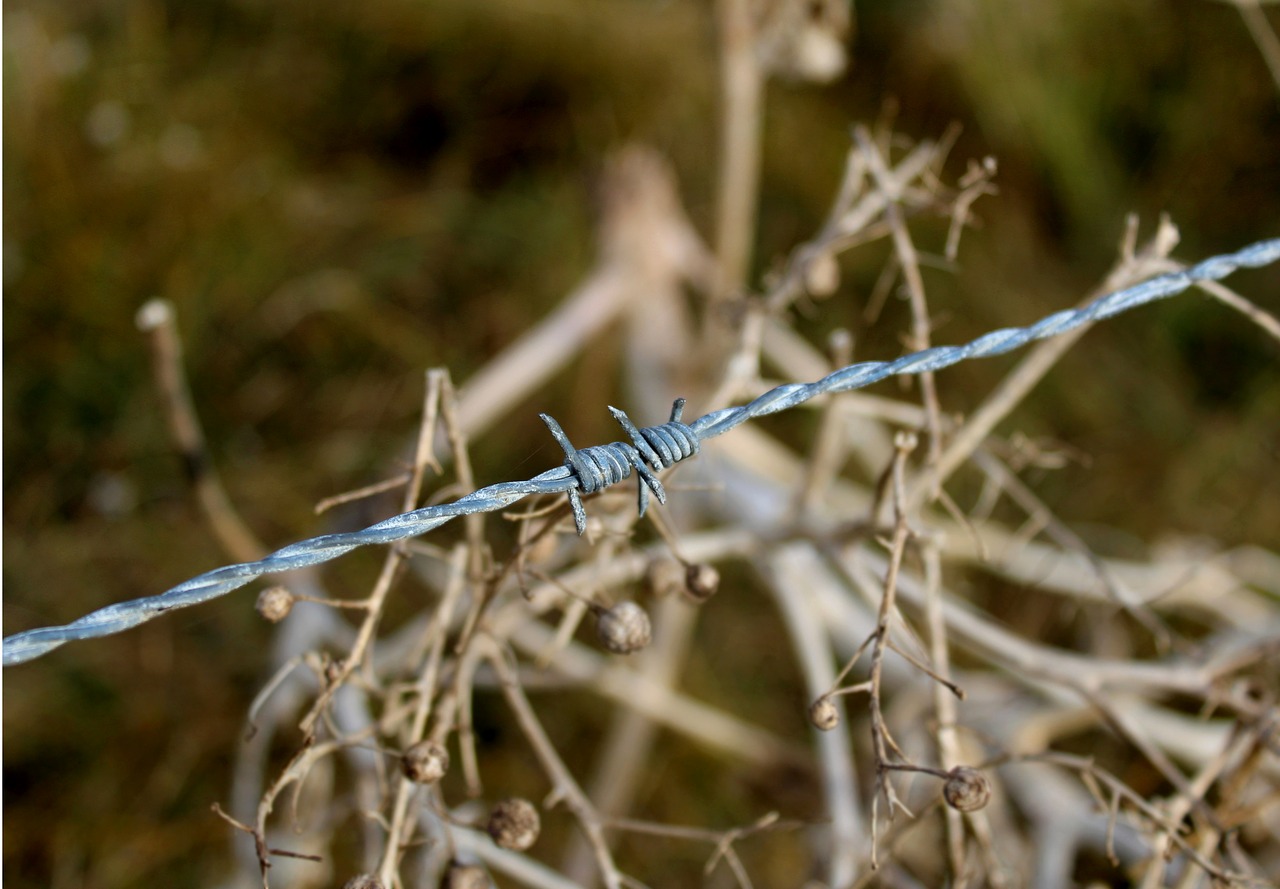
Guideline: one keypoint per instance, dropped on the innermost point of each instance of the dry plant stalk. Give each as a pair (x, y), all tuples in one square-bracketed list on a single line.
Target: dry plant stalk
[(395, 707), (961, 714)]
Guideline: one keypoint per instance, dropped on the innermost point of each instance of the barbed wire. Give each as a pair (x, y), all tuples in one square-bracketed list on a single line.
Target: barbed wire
[(650, 450)]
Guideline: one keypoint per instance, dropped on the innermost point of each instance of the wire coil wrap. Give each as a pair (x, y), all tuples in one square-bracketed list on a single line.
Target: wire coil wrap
[(600, 466)]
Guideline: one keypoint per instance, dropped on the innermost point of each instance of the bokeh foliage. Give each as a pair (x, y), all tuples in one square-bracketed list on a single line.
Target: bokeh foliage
[(337, 196)]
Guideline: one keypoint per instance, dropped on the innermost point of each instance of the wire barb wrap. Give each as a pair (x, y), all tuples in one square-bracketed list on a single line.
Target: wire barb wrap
[(601, 466), (651, 449)]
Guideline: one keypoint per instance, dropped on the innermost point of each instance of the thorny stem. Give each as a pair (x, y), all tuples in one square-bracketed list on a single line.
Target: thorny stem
[(1169, 825), (881, 739), (392, 564), (563, 784), (399, 832), (909, 262), (157, 319)]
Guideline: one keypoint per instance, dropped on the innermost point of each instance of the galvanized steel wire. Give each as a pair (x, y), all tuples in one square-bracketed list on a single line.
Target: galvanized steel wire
[(650, 449)]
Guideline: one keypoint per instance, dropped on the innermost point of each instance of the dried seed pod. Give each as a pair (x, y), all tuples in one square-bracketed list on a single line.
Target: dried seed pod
[(333, 670), (465, 876), (824, 714), (425, 762), (624, 628), (662, 577), (966, 790), (363, 881), (822, 277), (275, 603), (701, 581), (514, 824)]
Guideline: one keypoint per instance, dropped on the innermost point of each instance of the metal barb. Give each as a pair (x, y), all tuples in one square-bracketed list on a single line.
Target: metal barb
[(651, 449)]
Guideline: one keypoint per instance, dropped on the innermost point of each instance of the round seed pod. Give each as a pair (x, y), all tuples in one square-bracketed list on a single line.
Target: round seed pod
[(363, 881), (465, 876), (701, 581), (662, 577), (824, 714), (275, 603), (822, 277), (966, 790), (514, 824), (333, 670), (624, 628), (425, 762)]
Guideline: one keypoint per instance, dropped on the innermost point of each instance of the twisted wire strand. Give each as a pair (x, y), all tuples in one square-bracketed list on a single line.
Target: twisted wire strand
[(650, 449)]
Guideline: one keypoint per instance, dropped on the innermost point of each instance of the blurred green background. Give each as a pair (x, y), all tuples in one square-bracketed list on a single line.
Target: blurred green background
[(336, 196)]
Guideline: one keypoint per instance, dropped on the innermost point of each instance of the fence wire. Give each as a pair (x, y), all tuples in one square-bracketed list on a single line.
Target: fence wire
[(651, 449)]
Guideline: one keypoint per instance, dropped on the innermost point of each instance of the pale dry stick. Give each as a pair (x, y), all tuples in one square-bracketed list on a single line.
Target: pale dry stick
[(622, 765), (1032, 368), (1123, 723), (660, 345), (827, 453), (294, 774), (262, 850), (865, 416), (944, 704), (1232, 300), (1026, 671), (723, 840), (1260, 30), (909, 263), (1133, 266), (975, 183), (882, 741), (741, 369), (515, 865), (1181, 805), (1031, 661), (742, 84), (455, 711), (812, 647), (659, 348), (1038, 791), (156, 318), (391, 484), (398, 835), (1243, 800), (391, 565), (576, 607), (1122, 791), (1229, 298), (845, 225), (626, 568), (1061, 815), (1196, 580), (474, 523), (643, 227), (563, 784), (1057, 531), (695, 720), (424, 456), (1192, 676)]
